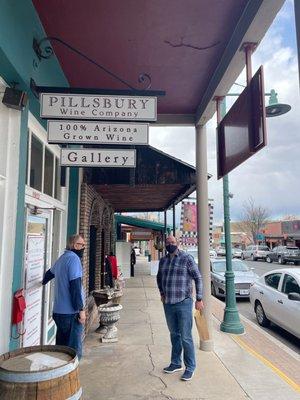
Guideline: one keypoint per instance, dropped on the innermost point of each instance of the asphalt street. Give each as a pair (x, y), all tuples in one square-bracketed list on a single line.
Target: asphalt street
[(246, 309)]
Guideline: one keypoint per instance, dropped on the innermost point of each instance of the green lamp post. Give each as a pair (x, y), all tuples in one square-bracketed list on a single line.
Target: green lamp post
[(231, 321)]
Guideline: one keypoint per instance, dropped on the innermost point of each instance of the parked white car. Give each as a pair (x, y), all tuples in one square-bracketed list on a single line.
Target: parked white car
[(212, 253), (255, 252), (275, 297), (194, 252), (221, 251), (236, 252)]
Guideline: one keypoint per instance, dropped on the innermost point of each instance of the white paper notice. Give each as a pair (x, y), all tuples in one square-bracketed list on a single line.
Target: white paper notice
[(35, 260), (33, 290)]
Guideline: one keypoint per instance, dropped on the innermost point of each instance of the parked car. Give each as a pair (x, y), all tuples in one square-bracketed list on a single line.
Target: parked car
[(243, 277), (236, 252), (255, 252), (275, 297), (221, 251), (284, 254), (194, 252), (212, 253)]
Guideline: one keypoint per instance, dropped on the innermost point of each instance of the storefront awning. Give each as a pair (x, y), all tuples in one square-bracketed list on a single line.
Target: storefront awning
[(189, 48), (158, 182), (140, 223)]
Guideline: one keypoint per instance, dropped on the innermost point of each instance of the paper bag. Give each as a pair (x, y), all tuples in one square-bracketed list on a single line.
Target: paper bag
[(201, 325)]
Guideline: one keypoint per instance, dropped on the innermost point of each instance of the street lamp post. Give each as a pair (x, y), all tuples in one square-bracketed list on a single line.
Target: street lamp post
[(231, 322)]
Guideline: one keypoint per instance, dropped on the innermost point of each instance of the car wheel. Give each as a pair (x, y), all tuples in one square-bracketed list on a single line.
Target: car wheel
[(261, 316), (281, 260), (296, 262), (213, 290), (268, 259), (253, 258)]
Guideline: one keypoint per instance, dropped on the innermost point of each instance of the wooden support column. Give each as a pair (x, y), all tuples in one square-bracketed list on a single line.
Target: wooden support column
[(203, 229)]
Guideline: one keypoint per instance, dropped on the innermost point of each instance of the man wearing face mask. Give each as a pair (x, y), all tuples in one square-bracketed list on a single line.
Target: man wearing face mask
[(68, 307), (177, 270)]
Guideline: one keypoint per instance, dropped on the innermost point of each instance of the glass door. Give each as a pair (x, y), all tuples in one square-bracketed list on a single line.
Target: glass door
[(37, 321)]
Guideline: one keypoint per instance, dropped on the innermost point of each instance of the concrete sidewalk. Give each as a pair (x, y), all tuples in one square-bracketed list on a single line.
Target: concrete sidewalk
[(132, 368)]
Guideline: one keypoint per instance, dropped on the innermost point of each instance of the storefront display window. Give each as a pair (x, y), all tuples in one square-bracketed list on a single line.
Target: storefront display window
[(57, 192), (43, 166), (36, 163), (49, 172)]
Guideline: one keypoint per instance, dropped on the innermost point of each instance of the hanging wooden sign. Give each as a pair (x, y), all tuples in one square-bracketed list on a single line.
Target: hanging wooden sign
[(88, 106), (85, 132), (98, 158)]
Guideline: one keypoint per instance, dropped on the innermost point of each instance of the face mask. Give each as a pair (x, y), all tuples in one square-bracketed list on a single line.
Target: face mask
[(171, 248), (79, 253)]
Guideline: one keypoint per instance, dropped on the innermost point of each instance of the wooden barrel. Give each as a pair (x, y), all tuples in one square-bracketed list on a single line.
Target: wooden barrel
[(40, 373)]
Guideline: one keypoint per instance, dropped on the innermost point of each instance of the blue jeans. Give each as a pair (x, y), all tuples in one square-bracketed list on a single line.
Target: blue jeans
[(179, 318), (69, 331)]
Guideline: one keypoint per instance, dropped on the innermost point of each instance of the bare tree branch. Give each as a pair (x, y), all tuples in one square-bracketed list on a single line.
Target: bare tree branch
[(253, 220)]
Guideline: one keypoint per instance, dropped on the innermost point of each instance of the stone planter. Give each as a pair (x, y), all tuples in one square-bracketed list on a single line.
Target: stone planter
[(103, 296), (109, 316), (106, 296)]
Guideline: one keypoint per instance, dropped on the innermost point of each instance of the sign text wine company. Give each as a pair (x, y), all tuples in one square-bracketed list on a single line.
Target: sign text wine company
[(76, 106), (85, 132), (98, 158)]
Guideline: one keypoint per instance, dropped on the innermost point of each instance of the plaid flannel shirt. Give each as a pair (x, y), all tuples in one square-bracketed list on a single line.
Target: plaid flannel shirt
[(175, 276)]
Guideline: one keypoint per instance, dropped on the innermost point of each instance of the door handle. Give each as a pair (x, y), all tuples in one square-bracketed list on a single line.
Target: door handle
[(280, 301)]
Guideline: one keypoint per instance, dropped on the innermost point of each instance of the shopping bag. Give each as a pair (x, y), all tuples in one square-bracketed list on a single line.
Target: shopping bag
[(201, 325)]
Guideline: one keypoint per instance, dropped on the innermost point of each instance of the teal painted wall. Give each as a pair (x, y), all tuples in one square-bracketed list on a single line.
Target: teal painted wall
[(19, 24)]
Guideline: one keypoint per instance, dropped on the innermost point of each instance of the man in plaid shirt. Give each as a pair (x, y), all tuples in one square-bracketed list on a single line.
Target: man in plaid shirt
[(175, 274)]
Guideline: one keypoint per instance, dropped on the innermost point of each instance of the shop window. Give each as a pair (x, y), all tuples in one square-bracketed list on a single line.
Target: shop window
[(36, 163), (57, 193), (48, 172), (43, 169)]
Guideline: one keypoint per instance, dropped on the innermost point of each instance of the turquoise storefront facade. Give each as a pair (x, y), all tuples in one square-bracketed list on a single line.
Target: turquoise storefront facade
[(19, 25)]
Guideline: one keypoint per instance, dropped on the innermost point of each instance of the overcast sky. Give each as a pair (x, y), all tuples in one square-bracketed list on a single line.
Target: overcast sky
[(272, 176)]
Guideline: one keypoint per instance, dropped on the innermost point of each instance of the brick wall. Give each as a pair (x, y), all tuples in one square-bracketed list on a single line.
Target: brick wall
[(94, 211)]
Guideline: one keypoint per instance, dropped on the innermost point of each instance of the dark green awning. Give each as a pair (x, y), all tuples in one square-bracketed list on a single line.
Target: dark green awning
[(140, 223)]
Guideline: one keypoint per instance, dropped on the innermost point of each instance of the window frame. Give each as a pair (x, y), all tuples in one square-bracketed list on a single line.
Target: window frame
[(55, 152), (278, 288), (286, 275), (46, 148), (29, 162)]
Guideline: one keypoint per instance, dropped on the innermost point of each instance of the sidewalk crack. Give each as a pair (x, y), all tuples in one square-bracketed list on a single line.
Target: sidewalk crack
[(225, 366), (151, 373)]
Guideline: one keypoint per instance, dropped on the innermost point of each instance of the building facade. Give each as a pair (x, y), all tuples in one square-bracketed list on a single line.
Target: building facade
[(40, 203)]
